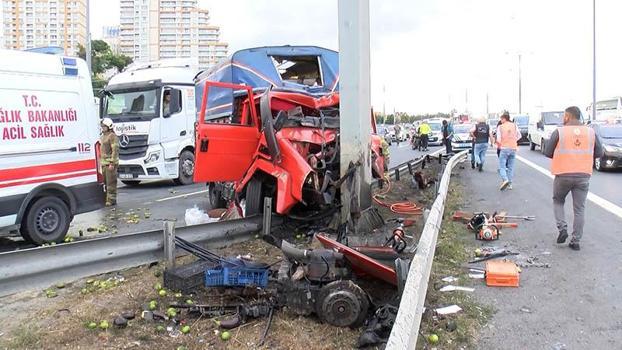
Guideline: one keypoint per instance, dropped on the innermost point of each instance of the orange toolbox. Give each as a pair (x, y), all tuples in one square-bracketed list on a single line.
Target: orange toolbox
[(502, 273)]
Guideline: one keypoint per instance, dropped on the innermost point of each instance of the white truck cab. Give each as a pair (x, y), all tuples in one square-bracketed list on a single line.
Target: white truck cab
[(49, 143), (542, 126), (153, 109)]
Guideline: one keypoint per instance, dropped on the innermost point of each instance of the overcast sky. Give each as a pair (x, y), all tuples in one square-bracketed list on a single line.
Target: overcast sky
[(430, 55)]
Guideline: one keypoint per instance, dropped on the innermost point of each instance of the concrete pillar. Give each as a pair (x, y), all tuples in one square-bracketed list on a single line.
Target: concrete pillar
[(355, 104)]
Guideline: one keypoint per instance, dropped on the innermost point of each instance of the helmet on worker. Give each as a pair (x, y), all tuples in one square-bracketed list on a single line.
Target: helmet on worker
[(107, 122)]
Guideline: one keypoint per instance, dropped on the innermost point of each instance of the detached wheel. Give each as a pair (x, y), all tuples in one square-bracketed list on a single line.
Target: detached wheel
[(186, 168), (130, 183), (215, 196), (46, 221), (254, 197)]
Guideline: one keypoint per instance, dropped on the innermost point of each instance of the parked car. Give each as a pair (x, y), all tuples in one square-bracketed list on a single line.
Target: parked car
[(610, 134), (542, 126), (522, 121), (436, 137), (462, 137)]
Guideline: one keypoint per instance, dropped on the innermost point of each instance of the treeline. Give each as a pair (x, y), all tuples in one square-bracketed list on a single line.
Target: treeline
[(407, 118)]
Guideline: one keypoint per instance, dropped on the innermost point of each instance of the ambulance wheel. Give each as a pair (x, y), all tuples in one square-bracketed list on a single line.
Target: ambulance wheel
[(47, 220), (186, 168), (130, 183)]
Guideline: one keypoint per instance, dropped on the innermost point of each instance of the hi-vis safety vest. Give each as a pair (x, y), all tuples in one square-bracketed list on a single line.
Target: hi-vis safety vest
[(425, 129), (574, 152), (508, 136)]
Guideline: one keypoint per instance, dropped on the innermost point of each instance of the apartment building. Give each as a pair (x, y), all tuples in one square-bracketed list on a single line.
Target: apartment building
[(110, 34), (159, 29), (27, 24)]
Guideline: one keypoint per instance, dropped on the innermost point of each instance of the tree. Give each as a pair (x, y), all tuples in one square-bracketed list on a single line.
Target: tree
[(102, 58)]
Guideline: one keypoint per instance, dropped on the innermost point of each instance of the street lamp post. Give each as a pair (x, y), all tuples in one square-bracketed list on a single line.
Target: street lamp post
[(593, 60), (520, 86), (87, 47)]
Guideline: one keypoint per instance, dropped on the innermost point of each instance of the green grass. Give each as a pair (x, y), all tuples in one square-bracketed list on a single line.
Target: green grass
[(454, 247)]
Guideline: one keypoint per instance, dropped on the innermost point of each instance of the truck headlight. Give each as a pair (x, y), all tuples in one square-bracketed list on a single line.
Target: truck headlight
[(152, 157)]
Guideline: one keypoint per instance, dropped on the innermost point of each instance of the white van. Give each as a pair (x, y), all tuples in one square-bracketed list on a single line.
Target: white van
[(156, 139), (610, 109), (49, 135), (542, 126)]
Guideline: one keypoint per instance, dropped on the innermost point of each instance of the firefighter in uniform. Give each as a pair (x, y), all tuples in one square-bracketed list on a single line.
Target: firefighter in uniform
[(573, 148), (109, 160)]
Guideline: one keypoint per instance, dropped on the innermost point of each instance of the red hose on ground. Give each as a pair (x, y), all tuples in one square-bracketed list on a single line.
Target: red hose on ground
[(404, 208)]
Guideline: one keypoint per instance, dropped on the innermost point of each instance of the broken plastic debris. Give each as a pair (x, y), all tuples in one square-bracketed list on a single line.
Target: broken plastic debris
[(449, 279), (451, 288), (195, 216), (451, 309), (477, 276)]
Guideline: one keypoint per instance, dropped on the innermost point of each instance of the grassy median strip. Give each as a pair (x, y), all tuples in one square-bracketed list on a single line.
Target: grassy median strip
[(454, 246)]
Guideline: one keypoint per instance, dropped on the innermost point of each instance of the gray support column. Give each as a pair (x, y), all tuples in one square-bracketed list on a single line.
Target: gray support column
[(355, 104)]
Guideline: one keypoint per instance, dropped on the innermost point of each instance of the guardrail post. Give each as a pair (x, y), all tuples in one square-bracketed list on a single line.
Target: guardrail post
[(410, 168), (397, 174), (267, 216), (169, 243)]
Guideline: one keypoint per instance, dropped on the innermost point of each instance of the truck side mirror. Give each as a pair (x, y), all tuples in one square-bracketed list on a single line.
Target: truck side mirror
[(174, 105)]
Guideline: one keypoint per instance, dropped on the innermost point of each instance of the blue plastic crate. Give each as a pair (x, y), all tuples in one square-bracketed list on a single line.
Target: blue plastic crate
[(236, 277)]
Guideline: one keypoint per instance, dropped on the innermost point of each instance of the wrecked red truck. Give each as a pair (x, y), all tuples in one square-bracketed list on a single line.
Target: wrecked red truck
[(268, 126)]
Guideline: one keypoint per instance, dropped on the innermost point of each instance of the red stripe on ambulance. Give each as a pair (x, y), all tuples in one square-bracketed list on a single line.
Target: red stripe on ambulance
[(25, 173)]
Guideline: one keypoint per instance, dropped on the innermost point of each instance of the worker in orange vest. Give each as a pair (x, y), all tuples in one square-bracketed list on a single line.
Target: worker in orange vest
[(573, 148), (508, 135)]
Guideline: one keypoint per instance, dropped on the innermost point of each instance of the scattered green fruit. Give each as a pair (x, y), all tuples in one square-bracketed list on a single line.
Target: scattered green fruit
[(92, 325), (189, 302), (478, 252), (89, 281), (160, 329), (157, 286), (84, 291), (225, 335), (171, 312), (60, 285), (104, 324), (162, 292), (178, 295), (185, 329), (433, 338), (181, 347)]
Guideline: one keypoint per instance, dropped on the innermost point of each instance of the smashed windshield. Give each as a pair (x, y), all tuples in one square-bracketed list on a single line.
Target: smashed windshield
[(303, 70), (137, 103)]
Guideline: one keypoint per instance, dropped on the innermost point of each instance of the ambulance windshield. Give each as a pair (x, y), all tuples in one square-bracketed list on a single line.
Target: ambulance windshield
[(142, 104)]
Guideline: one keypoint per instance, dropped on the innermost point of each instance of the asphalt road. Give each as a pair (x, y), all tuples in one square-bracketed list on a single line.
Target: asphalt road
[(162, 200), (574, 304)]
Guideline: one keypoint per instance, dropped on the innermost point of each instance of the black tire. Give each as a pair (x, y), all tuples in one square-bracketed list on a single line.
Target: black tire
[(46, 220), (186, 168), (532, 145), (215, 196), (254, 197), (130, 183)]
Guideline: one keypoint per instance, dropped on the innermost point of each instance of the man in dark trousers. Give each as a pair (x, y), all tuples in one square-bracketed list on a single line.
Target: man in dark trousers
[(481, 135), (448, 133), (573, 148)]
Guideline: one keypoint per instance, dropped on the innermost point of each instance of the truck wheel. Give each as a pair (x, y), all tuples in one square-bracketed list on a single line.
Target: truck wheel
[(186, 168), (215, 196), (47, 220), (254, 197), (130, 183)]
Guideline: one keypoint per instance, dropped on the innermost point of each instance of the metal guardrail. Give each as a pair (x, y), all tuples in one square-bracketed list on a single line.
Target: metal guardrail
[(406, 327), (42, 266)]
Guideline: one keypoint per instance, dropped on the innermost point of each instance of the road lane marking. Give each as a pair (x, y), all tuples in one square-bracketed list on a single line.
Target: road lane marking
[(600, 201), (180, 196)]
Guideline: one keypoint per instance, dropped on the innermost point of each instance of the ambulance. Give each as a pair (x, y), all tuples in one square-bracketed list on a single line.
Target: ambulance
[(49, 132)]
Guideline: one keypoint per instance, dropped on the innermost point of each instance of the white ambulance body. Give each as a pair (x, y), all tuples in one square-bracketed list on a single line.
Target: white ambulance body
[(155, 142), (49, 134)]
